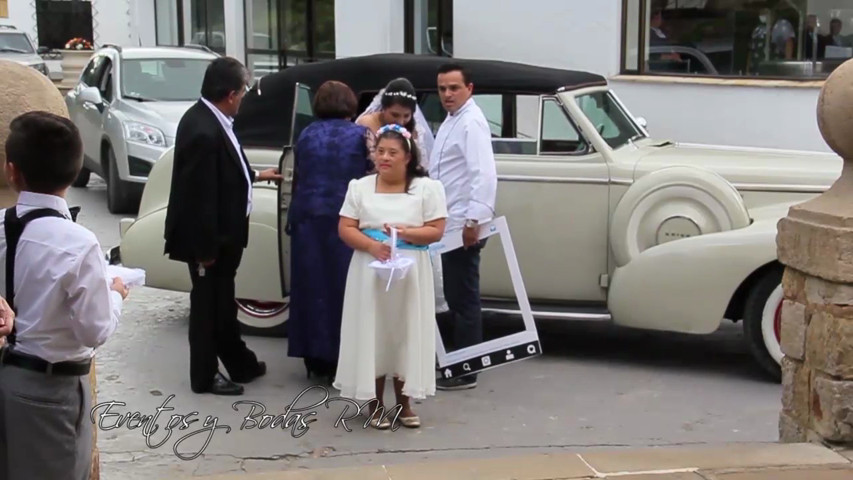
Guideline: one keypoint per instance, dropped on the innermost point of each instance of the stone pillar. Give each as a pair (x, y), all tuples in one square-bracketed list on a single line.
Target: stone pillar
[(815, 242), (25, 89)]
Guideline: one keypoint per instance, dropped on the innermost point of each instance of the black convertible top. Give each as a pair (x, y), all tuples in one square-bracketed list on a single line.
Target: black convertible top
[(267, 110)]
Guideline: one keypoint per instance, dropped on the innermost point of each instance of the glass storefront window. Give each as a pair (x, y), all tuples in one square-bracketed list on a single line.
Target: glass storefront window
[(166, 22), (798, 39), (208, 24), (429, 27), (282, 33)]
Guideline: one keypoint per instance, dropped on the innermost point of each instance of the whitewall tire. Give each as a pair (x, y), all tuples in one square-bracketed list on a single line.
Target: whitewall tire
[(762, 321), (263, 318)]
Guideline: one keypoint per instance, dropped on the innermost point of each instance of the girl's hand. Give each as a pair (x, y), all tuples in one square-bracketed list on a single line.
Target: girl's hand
[(401, 231), (380, 251)]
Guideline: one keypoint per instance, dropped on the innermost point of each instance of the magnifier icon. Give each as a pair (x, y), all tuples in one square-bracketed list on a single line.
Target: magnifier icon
[(466, 367)]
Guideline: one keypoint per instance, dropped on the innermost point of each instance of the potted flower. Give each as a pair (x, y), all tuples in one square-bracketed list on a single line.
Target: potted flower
[(74, 58), (78, 44)]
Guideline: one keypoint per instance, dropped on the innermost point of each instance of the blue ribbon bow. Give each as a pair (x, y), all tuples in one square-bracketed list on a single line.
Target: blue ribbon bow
[(381, 236)]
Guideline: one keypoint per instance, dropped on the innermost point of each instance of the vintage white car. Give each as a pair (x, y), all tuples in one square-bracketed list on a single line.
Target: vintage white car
[(608, 224)]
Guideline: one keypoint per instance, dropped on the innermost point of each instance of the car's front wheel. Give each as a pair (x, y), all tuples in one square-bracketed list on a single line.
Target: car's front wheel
[(265, 319), (762, 322), (120, 194)]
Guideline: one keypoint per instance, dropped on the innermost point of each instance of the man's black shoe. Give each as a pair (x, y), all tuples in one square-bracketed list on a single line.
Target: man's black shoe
[(262, 370), (223, 386), (461, 383)]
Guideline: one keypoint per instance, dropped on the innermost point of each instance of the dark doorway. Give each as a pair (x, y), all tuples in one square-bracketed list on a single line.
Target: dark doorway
[(58, 21)]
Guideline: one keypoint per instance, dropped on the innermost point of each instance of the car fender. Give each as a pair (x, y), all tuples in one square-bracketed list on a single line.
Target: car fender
[(672, 203), (142, 242), (686, 285)]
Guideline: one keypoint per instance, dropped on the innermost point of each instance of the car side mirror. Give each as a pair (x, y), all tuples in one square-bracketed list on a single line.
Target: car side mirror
[(91, 95), (642, 122)]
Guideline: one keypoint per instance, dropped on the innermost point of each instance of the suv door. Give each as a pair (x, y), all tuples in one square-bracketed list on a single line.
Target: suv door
[(84, 114), (301, 117)]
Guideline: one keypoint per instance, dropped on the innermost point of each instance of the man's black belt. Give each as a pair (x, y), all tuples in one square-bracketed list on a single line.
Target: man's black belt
[(36, 364)]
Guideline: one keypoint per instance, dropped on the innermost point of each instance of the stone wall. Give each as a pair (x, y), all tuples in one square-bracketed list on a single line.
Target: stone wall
[(815, 242)]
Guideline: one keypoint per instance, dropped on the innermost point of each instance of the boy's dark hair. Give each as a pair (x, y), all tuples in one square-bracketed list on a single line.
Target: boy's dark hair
[(335, 99), (46, 148), (223, 76), (455, 67)]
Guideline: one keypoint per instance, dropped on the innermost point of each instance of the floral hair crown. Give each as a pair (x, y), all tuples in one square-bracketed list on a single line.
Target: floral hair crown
[(400, 94), (393, 127)]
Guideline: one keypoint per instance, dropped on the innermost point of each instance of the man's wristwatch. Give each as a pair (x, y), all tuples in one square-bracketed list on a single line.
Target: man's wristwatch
[(471, 223)]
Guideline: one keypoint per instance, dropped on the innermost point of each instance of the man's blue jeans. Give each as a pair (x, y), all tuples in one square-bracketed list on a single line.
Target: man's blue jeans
[(461, 272)]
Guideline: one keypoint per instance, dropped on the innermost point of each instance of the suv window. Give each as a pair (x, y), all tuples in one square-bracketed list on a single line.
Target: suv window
[(90, 73)]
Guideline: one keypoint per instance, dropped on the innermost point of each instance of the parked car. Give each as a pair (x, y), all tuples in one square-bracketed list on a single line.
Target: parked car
[(608, 223), (127, 105), (17, 46)]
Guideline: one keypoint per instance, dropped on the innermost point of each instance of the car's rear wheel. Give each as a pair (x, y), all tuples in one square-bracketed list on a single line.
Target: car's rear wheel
[(762, 322), (83, 178), (265, 319)]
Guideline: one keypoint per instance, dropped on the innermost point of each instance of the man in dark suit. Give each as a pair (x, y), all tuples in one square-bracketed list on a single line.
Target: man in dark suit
[(207, 227)]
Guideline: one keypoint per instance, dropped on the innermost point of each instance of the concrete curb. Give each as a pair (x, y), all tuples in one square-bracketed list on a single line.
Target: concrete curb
[(726, 462)]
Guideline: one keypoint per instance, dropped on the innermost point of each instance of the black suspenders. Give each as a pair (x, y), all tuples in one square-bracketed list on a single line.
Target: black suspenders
[(14, 227)]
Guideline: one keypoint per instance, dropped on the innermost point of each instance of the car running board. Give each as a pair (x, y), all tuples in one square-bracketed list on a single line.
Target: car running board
[(562, 312)]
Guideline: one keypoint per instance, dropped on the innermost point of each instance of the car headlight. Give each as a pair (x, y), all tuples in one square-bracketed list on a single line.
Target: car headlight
[(141, 133)]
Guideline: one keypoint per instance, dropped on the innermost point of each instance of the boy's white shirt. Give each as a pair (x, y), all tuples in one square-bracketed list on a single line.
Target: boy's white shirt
[(65, 306)]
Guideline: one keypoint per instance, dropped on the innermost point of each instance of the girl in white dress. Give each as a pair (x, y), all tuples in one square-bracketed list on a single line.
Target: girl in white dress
[(390, 332)]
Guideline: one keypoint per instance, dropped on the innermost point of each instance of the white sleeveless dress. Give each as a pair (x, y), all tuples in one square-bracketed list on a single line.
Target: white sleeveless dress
[(389, 333)]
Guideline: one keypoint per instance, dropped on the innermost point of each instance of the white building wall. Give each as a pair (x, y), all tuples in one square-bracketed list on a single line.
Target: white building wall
[(22, 15), (572, 34), (365, 27), (112, 22), (144, 26), (726, 115)]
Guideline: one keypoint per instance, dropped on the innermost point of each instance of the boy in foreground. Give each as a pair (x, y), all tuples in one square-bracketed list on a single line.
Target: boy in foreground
[(56, 282)]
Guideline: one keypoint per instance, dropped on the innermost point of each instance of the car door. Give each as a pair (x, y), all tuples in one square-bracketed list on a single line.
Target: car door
[(85, 115), (301, 116), (553, 189)]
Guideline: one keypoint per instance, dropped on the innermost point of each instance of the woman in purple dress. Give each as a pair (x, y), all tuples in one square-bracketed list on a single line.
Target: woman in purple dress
[(328, 154)]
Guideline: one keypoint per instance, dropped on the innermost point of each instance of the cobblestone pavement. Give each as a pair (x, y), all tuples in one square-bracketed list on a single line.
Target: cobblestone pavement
[(595, 387)]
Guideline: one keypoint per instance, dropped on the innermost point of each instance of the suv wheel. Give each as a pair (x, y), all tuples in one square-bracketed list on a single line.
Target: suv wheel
[(83, 178), (119, 195)]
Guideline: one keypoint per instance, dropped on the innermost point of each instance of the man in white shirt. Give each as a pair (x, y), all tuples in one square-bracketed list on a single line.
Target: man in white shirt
[(463, 161), (56, 280)]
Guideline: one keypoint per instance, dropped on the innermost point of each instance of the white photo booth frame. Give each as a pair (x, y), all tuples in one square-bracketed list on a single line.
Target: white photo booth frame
[(499, 351)]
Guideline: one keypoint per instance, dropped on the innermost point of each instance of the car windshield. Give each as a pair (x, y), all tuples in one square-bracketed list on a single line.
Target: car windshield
[(612, 122), (162, 79), (15, 43)]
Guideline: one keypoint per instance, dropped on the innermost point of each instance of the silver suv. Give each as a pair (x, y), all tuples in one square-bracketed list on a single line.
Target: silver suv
[(127, 105), (16, 46)]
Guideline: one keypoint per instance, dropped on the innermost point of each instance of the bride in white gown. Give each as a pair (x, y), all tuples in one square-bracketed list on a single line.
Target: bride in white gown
[(397, 103)]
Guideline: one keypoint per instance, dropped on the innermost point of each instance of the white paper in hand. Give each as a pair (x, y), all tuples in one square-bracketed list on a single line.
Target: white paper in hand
[(132, 277)]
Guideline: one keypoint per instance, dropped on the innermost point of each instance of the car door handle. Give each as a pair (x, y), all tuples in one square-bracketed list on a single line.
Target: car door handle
[(288, 174)]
